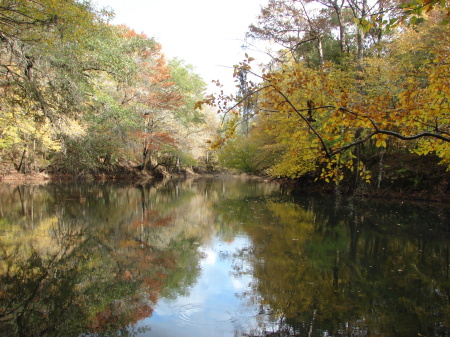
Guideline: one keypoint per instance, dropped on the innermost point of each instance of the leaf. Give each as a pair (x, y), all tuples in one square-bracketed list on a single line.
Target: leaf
[(367, 27)]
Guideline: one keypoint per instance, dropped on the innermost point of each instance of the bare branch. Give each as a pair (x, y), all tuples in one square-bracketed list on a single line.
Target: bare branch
[(416, 136)]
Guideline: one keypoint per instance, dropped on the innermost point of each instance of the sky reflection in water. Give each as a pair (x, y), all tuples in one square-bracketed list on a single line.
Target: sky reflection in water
[(218, 257), (215, 305)]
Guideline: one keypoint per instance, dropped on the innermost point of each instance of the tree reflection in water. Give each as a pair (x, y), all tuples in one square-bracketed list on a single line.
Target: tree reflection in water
[(361, 269), (95, 259), (78, 260)]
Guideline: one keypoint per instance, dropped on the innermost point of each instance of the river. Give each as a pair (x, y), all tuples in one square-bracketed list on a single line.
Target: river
[(218, 257)]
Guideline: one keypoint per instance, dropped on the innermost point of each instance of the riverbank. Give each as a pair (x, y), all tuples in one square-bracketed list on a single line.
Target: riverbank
[(396, 176), (20, 178), (295, 186), (303, 186), (420, 179)]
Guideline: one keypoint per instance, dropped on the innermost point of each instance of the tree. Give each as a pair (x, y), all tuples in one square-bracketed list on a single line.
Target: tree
[(338, 7), (292, 149), (292, 24), (342, 113), (191, 127), (242, 154), (151, 95), (87, 96), (41, 75)]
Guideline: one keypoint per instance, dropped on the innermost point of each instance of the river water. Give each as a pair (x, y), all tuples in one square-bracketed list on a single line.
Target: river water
[(218, 257)]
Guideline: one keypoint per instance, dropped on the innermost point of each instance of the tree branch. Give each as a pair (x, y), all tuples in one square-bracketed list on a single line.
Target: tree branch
[(310, 126), (441, 135), (416, 136)]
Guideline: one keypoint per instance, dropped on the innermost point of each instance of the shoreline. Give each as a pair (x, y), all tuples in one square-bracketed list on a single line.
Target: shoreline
[(294, 186)]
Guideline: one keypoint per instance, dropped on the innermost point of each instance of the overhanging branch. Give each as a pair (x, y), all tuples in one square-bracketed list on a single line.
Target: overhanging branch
[(439, 134)]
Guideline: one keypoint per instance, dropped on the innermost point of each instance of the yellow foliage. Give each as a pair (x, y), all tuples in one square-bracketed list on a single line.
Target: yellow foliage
[(404, 95), (20, 128), (320, 115), (298, 155), (39, 238)]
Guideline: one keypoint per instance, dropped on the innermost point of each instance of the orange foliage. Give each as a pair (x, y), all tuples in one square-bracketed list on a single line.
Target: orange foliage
[(151, 218), (153, 92), (118, 315)]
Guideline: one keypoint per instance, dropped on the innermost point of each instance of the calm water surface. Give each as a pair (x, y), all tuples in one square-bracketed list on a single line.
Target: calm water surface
[(218, 257)]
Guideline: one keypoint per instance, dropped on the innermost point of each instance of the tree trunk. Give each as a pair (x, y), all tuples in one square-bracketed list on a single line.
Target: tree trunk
[(22, 164), (152, 162), (360, 12), (342, 36), (380, 170), (360, 44), (144, 157), (320, 50), (311, 324), (107, 161)]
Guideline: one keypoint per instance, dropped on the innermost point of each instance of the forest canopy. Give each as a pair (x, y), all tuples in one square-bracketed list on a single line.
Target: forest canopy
[(350, 81), (80, 95)]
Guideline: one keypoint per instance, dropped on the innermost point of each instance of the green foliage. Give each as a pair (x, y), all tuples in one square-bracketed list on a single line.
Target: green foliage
[(191, 86), (245, 155), (87, 94)]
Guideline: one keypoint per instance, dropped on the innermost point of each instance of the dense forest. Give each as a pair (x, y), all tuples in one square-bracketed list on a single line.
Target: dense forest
[(82, 96), (356, 94)]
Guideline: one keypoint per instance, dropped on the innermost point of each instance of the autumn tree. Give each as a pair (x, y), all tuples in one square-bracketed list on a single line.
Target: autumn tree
[(41, 73), (83, 95), (150, 95), (337, 6), (189, 125), (142, 105), (401, 96)]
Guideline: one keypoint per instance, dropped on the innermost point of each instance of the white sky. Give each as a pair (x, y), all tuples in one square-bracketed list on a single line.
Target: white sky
[(205, 33)]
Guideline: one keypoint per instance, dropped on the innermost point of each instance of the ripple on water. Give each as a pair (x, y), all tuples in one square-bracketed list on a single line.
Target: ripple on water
[(203, 315)]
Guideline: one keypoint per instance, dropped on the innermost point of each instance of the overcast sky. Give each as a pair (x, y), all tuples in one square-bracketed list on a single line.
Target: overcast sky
[(205, 33)]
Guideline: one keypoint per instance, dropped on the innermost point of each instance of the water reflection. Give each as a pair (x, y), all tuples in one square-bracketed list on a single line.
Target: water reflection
[(218, 257), (83, 259), (368, 269)]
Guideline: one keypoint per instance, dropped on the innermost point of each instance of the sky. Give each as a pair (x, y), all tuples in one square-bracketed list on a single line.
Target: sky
[(208, 34)]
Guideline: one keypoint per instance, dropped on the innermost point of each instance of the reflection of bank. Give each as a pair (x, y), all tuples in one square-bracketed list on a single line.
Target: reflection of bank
[(359, 268), (277, 261), (78, 268)]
